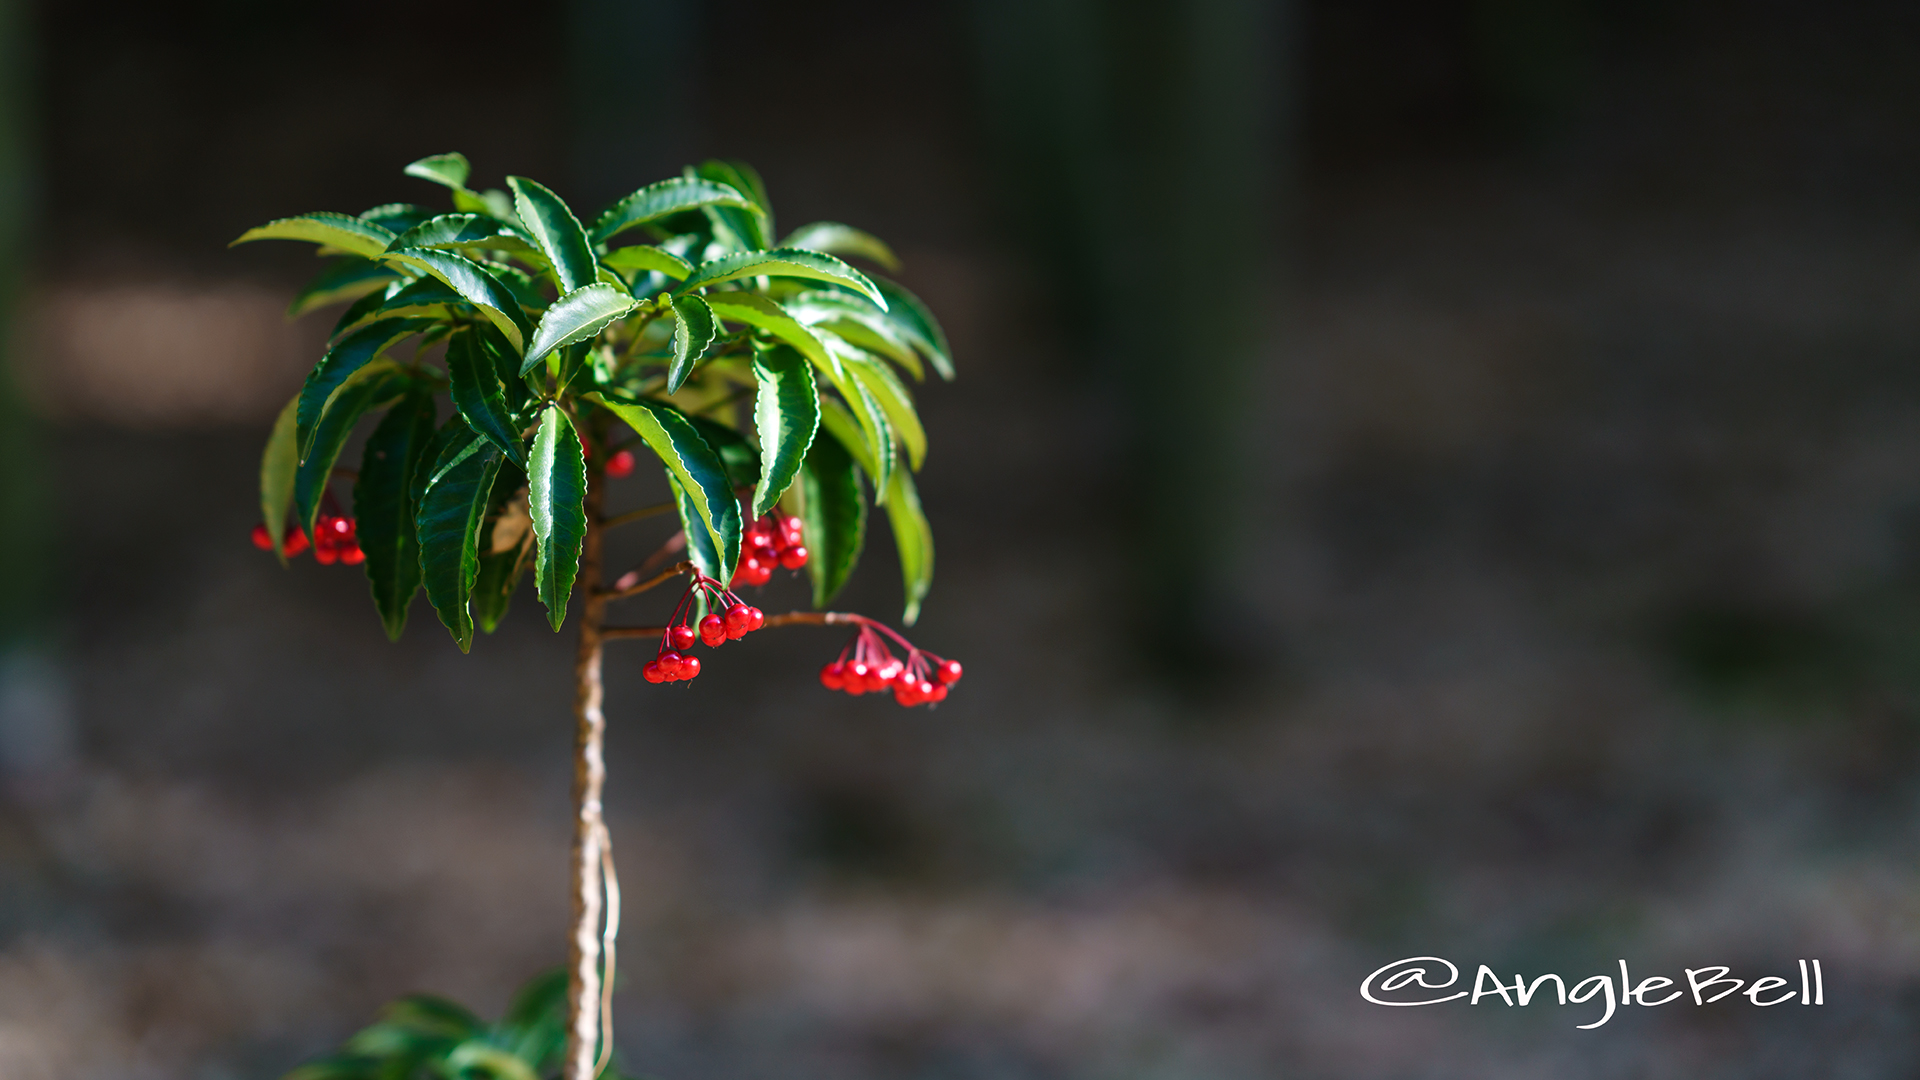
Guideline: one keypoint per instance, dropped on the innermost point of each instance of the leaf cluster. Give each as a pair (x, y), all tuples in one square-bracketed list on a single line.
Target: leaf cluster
[(556, 341)]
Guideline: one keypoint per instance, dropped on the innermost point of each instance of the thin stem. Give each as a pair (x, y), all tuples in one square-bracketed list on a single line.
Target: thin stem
[(620, 633), (636, 515), (630, 585), (589, 856)]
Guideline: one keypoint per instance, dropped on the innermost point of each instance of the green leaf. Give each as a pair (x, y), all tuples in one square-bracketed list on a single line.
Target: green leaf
[(383, 511), (534, 1027), (780, 262), (449, 520), (349, 234), (500, 571), (835, 515), (694, 465), (664, 199), (557, 231), (398, 216), (576, 317), (474, 284), (651, 259), (786, 414), (694, 329), (479, 395), (352, 353), (763, 314), (467, 231), (347, 278), (912, 540), (478, 1058), (450, 170), (895, 402), (844, 240), (755, 229), (740, 458), (369, 388), (277, 467), (556, 489), (875, 431), (852, 319), (913, 321)]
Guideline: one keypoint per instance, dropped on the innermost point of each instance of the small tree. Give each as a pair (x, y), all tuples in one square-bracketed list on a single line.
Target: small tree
[(673, 310)]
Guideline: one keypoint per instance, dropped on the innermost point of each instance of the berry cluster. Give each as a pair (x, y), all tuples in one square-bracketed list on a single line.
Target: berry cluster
[(728, 618), (334, 541), (921, 679), (771, 541)]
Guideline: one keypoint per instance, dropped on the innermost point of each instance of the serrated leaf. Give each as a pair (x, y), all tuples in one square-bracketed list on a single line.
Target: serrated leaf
[(737, 455), (450, 170), (780, 262), (651, 259), (694, 329), (874, 428), (895, 401), (424, 298), (464, 231), (277, 467), (368, 388), (556, 488), (349, 355), (449, 520), (701, 550), (576, 317), (763, 314), (912, 540), (479, 395), (786, 414), (383, 510), (500, 571), (474, 284), (834, 513), (664, 199), (558, 233), (342, 231), (398, 216), (346, 278), (843, 240), (912, 320), (856, 322), (694, 464), (754, 229)]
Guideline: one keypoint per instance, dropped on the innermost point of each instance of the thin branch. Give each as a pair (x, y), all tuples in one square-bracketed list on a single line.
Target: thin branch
[(615, 633), (624, 588), (636, 515)]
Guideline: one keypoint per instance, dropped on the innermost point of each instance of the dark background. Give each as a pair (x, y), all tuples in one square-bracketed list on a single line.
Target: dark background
[(1425, 478)]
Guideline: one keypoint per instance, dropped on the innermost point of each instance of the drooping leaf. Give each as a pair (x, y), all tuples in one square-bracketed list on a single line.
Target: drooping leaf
[(556, 488), (834, 515), (738, 456), (780, 262), (449, 520), (575, 317), (495, 583), (368, 388), (384, 512), (856, 322), (874, 428), (398, 216), (701, 550), (666, 198), (755, 228), (651, 259), (912, 541), (694, 329), (786, 414), (504, 556), (913, 321), (844, 241), (462, 231), (895, 402), (450, 170), (353, 352), (763, 314), (277, 467), (479, 395), (346, 278), (474, 284), (692, 462), (559, 234), (349, 234)]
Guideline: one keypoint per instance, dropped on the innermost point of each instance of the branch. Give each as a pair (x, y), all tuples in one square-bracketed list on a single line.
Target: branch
[(616, 633), (630, 585), (791, 618)]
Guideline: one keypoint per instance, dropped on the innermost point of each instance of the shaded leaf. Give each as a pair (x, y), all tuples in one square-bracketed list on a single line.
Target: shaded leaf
[(399, 216), (347, 278), (754, 229), (369, 388), (474, 284), (650, 259), (763, 314), (450, 170), (560, 236), (875, 431), (834, 511), (912, 540), (349, 355), (449, 520), (737, 455), (479, 394), (694, 464), (476, 1057), (895, 401), (842, 240), (349, 234), (534, 1027), (556, 490), (912, 320), (786, 414), (668, 197), (780, 262), (384, 512), (694, 329), (277, 467), (576, 317)]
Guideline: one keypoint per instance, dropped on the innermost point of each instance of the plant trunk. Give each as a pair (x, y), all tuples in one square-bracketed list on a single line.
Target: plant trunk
[(589, 829)]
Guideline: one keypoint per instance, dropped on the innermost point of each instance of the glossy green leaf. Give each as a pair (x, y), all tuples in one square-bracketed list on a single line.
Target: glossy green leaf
[(740, 457), (368, 388), (346, 278), (423, 298), (474, 284), (912, 540), (786, 414), (842, 240), (664, 199), (576, 317), (349, 234), (694, 328), (398, 216), (912, 320), (875, 431), (895, 401), (701, 550), (754, 229), (694, 464), (556, 489), (480, 396), (856, 322), (277, 467), (449, 519), (651, 259), (500, 571), (341, 1067), (349, 355), (450, 170), (558, 233), (835, 516), (463, 231), (780, 262), (384, 512), (763, 314), (476, 1058)]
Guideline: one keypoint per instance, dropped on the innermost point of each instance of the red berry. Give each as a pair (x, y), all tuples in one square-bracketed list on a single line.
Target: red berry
[(680, 637), (325, 553), (262, 539), (652, 672), (739, 621), (620, 464), (905, 693), (794, 558), (713, 630), (669, 662), (856, 678), (759, 540), (791, 526), (761, 575), (352, 555), (755, 618), (295, 543), (341, 526), (689, 666), (948, 672), (892, 670), (939, 693), (833, 676)]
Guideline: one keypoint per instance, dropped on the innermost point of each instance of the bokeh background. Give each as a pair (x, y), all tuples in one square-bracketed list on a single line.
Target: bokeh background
[(1425, 478)]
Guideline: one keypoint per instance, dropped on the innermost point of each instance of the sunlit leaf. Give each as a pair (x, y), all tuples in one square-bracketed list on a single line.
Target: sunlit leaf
[(763, 314), (780, 262), (383, 511), (450, 170), (694, 464), (558, 233), (912, 540), (464, 232), (875, 431), (755, 228), (397, 216), (575, 317), (786, 414), (346, 278), (664, 199), (640, 257), (694, 328), (894, 399), (349, 355), (349, 234), (842, 240), (556, 488), (474, 284), (912, 320)]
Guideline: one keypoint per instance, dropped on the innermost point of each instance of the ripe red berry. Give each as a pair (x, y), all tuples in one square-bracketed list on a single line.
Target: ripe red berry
[(755, 618), (680, 637), (738, 621), (340, 526), (856, 678), (620, 464), (689, 666), (939, 693), (294, 544), (325, 553), (833, 676), (790, 531), (794, 558), (352, 554), (713, 630), (905, 695), (948, 672), (262, 539), (759, 540), (669, 662), (652, 672), (891, 670)]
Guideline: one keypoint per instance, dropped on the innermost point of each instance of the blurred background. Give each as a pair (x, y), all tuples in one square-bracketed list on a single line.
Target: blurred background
[(1425, 478)]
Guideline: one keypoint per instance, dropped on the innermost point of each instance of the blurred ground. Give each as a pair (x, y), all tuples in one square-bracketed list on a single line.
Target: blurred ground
[(1584, 547)]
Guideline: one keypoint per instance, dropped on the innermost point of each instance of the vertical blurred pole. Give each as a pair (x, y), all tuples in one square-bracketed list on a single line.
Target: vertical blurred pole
[(1144, 143), (631, 66)]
